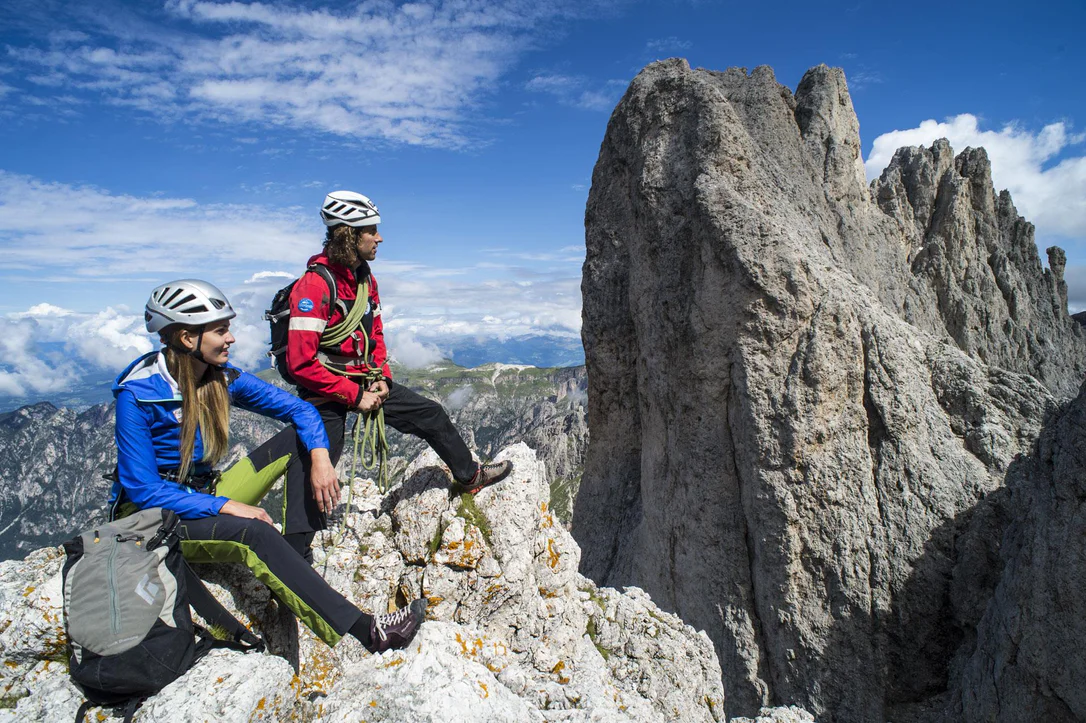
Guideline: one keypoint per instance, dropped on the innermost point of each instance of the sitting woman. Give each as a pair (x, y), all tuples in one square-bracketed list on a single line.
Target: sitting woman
[(173, 411)]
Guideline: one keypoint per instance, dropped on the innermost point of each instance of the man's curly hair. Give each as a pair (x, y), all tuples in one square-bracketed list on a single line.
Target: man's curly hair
[(341, 243)]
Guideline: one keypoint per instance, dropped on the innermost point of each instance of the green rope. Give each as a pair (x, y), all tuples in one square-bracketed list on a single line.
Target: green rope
[(372, 437), (373, 431), (335, 335)]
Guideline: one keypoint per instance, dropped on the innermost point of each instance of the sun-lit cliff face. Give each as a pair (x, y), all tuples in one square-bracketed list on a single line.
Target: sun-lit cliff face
[(807, 394)]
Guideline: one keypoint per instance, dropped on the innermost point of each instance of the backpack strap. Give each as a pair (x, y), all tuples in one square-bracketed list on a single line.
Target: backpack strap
[(81, 714), (211, 610), (131, 707), (129, 710), (323, 271)]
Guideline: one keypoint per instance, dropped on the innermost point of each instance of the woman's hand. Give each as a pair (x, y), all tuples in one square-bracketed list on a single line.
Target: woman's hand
[(322, 475), (240, 509)]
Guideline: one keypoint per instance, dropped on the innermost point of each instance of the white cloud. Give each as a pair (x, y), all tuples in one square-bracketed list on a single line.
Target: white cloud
[(408, 73), (122, 242), (1075, 276), (578, 91), (670, 44), (41, 310), (22, 370), (1052, 196), (45, 348), (86, 233), (411, 352), (459, 398), (109, 339)]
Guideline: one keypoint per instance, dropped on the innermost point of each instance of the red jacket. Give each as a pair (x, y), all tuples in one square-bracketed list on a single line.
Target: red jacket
[(311, 311)]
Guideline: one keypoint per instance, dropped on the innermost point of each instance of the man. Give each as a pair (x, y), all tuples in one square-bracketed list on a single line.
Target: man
[(352, 374)]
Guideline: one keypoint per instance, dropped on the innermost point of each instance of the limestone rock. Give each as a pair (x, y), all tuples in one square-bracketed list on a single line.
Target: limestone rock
[(1027, 662), (800, 389), (514, 632)]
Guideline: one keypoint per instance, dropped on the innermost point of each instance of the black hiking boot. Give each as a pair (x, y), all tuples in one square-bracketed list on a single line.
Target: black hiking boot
[(486, 475), (395, 630)]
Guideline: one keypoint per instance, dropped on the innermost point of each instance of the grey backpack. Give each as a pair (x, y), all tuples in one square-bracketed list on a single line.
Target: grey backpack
[(127, 591)]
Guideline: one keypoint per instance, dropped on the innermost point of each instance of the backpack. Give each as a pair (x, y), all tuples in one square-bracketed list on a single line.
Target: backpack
[(278, 317), (127, 591)]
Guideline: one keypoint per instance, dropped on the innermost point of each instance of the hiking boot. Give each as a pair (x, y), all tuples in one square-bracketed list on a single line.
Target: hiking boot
[(486, 475), (395, 630)]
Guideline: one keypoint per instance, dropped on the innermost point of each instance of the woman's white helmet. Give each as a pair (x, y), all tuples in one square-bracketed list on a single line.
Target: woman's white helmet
[(350, 208), (186, 301)]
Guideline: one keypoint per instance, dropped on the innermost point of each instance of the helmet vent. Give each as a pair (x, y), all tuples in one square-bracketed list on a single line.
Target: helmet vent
[(217, 303), (171, 296), (177, 304)]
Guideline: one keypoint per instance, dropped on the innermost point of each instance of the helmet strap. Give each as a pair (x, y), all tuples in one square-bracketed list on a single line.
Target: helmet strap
[(196, 353)]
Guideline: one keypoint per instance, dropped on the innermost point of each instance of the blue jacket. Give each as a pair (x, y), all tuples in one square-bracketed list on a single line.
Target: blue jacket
[(148, 432)]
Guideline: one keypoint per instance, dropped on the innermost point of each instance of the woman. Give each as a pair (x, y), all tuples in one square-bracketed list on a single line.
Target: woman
[(173, 411)]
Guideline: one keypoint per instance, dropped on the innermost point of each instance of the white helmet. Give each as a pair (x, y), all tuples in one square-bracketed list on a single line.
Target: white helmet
[(186, 301), (350, 208)]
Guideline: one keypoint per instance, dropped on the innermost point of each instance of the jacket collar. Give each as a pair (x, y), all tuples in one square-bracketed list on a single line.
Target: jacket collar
[(148, 379), (351, 276)]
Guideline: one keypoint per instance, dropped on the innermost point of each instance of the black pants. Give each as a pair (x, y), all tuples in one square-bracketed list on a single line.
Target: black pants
[(225, 538), (406, 412)]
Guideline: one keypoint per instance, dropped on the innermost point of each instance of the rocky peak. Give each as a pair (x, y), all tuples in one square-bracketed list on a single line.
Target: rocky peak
[(800, 390), (831, 132), (27, 415)]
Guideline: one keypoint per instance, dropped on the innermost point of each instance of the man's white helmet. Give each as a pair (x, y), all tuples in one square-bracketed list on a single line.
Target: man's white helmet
[(350, 208), (186, 301)]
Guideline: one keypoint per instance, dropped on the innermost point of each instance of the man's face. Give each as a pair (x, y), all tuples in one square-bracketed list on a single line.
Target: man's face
[(367, 243)]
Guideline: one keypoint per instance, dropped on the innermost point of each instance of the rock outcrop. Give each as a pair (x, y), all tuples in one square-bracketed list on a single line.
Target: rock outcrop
[(514, 632), (1025, 661), (801, 388)]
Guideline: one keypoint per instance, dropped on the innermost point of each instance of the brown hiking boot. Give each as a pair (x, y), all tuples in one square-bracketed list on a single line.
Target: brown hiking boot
[(486, 475)]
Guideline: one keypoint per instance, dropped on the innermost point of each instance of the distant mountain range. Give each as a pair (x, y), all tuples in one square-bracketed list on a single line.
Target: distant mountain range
[(52, 458), (538, 350)]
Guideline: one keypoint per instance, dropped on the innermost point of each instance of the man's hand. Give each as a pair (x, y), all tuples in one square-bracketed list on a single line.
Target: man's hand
[(369, 402), (240, 509), (380, 389), (322, 475)]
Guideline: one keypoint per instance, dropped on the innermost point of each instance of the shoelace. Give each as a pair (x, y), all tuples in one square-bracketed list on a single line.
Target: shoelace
[(389, 620)]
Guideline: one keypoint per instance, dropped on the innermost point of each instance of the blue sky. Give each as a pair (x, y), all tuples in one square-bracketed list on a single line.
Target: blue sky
[(145, 141)]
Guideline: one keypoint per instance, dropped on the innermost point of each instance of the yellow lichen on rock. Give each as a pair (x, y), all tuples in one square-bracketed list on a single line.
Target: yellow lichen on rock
[(553, 556)]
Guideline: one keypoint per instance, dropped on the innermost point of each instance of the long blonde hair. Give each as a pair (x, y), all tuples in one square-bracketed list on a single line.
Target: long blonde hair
[(205, 404)]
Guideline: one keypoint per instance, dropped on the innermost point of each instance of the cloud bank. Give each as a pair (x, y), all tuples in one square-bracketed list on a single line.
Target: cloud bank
[(122, 242), (401, 72), (47, 348), (62, 232)]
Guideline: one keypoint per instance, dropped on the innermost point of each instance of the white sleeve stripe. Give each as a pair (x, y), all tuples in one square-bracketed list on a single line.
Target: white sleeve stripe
[(301, 323)]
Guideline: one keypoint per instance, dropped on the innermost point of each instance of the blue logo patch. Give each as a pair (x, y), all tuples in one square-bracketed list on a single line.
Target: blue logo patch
[(305, 305)]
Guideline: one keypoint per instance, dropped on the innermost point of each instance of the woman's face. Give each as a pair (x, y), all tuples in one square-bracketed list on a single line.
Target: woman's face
[(215, 346)]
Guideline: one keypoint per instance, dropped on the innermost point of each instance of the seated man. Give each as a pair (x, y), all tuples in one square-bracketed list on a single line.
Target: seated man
[(354, 375)]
